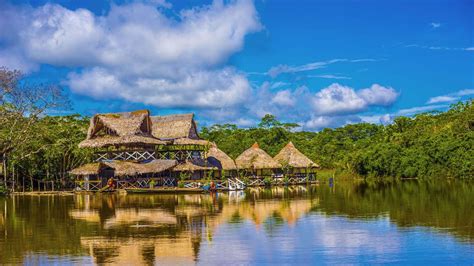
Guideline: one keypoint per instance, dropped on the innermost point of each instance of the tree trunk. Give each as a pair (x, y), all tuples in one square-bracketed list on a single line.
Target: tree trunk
[(31, 182), (5, 172), (13, 176)]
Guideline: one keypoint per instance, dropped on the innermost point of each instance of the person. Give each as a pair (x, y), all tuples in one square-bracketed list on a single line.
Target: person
[(213, 186), (111, 183)]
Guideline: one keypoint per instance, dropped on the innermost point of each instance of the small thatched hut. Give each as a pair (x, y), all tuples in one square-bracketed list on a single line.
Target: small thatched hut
[(220, 161), (192, 169), (294, 161), (89, 169), (257, 161)]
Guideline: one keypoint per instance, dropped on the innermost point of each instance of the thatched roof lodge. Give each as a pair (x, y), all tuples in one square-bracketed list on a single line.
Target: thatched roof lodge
[(256, 158), (290, 156)]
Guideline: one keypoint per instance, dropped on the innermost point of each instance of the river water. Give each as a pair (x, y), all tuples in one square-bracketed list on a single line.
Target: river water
[(404, 222)]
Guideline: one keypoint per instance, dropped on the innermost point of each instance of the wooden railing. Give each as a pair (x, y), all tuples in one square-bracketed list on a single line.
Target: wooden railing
[(91, 185)]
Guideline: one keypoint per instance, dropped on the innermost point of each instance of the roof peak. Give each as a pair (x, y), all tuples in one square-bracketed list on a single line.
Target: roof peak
[(290, 144), (256, 146)]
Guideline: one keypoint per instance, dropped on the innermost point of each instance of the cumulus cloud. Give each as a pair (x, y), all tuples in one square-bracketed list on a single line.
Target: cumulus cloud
[(284, 98), (339, 99), (135, 52), (379, 95), (318, 122)]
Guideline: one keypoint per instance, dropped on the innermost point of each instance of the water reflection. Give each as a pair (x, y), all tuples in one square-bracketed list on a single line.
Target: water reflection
[(340, 222)]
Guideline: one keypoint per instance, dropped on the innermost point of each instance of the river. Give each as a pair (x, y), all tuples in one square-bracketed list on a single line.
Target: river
[(402, 222)]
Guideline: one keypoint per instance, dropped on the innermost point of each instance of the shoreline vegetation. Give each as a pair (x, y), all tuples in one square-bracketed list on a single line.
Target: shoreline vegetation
[(38, 150)]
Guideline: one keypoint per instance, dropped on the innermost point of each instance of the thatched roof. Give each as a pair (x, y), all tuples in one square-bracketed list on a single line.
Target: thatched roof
[(116, 141), (174, 126), (291, 156), (190, 167), (219, 159), (188, 141), (121, 124), (128, 128), (88, 169), (125, 168), (256, 158)]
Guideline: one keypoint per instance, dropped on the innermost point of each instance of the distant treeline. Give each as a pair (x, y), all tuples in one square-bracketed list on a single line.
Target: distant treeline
[(429, 145)]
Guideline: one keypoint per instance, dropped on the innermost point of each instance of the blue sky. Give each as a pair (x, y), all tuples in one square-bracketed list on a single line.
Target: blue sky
[(317, 63)]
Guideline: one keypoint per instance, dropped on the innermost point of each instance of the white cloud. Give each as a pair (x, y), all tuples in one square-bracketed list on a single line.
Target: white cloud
[(282, 69), (377, 119), (284, 98), (329, 76), (379, 95), (442, 99), (223, 88), (243, 122), (278, 84), (440, 47), (318, 122), (137, 53), (456, 96), (339, 99), (420, 109), (435, 25), (465, 92)]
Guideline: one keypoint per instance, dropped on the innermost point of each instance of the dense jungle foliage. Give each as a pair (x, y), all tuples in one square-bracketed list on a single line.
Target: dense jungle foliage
[(436, 144)]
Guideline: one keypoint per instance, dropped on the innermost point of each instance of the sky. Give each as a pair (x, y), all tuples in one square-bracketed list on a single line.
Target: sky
[(320, 64)]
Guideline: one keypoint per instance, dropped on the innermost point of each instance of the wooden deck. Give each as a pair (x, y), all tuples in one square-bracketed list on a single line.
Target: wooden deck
[(163, 190)]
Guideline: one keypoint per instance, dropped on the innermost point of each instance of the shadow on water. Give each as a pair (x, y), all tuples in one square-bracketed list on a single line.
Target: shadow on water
[(171, 228)]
